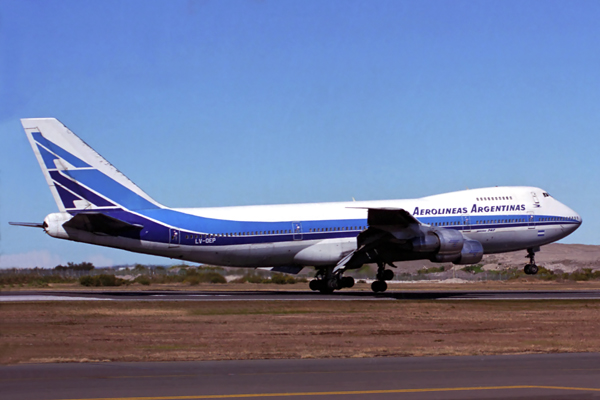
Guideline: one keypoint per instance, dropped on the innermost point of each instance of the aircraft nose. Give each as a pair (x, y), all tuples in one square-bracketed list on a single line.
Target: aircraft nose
[(575, 223)]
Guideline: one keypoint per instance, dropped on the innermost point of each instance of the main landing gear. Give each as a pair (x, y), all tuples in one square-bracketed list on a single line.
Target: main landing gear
[(382, 275), (326, 282), (531, 268)]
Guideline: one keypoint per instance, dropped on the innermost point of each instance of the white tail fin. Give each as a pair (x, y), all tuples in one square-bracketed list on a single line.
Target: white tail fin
[(80, 178)]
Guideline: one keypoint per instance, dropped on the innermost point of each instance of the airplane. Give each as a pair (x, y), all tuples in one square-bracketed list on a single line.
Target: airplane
[(101, 206)]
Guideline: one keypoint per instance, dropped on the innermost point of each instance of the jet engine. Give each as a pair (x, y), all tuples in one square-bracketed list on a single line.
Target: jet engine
[(471, 253), (448, 246)]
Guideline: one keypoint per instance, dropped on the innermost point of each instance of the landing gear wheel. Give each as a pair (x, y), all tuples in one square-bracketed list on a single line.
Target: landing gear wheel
[(315, 284), (378, 286), (347, 281), (325, 289), (531, 269), (387, 275)]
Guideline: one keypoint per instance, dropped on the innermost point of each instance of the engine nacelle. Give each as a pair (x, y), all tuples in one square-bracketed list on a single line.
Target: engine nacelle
[(427, 243), (472, 253), (441, 258), (53, 225), (451, 241), (448, 246), (442, 242)]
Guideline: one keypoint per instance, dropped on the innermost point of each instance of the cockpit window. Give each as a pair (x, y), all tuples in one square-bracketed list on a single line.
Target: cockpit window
[(546, 194)]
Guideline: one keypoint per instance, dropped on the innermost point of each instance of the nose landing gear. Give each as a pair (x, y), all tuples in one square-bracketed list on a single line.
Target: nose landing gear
[(531, 268)]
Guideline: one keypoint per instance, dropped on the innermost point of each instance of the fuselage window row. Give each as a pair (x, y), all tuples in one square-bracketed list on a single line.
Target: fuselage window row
[(275, 232), (494, 198)]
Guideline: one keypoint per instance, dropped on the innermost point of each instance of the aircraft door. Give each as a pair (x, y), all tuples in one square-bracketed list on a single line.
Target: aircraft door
[(536, 201), (466, 223), (530, 220), (297, 230), (174, 238)]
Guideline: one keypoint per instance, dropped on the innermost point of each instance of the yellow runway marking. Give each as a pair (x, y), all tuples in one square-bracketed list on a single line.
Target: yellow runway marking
[(344, 393), (154, 376)]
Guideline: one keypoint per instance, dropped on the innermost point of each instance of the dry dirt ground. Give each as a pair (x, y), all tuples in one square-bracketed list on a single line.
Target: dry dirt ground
[(155, 331), (525, 283)]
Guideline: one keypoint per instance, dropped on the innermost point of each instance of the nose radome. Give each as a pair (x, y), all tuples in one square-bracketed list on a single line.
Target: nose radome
[(572, 227)]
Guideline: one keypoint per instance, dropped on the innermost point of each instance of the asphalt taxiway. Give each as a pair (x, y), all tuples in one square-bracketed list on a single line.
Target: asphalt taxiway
[(551, 376), (150, 295)]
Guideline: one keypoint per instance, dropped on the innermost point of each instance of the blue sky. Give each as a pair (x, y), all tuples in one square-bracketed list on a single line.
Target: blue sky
[(216, 103)]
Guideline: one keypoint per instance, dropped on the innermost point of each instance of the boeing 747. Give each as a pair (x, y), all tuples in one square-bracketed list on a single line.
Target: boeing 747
[(99, 205)]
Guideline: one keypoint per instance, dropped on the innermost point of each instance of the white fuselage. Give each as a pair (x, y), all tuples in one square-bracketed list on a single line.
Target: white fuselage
[(502, 219)]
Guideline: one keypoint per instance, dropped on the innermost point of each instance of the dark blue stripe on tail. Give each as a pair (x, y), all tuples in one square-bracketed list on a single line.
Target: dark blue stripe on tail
[(80, 190), (66, 197), (110, 188)]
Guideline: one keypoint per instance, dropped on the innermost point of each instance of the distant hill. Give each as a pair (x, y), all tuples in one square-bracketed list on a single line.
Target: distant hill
[(555, 256), (566, 257)]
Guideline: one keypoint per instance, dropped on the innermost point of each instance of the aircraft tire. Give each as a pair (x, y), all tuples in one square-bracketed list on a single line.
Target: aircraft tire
[(533, 269), (388, 275), (314, 285), (325, 289), (378, 286), (527, 269), (347, 281)]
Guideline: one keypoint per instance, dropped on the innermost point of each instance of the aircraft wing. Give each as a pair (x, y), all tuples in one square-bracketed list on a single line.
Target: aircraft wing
[(386, 225), (396, 221), (100, 224)]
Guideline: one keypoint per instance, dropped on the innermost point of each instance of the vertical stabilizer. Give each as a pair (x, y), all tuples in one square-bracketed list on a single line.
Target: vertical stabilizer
[(80, 178)]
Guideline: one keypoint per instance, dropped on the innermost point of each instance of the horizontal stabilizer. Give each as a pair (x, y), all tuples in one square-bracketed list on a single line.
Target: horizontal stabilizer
[(101, 224), (29, 224)]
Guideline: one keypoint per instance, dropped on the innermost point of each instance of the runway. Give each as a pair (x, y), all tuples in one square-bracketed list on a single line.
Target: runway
[(551, 376), (279, 295)]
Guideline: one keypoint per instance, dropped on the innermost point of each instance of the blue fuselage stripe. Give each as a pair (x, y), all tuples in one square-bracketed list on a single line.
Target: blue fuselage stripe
[(193, 230)]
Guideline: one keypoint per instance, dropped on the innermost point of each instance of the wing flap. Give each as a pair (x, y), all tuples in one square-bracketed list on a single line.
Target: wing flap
[(395, 221), (385, 225)]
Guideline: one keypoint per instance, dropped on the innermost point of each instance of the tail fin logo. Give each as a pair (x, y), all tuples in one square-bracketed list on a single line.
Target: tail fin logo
[(80, 178), (73, 195)]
